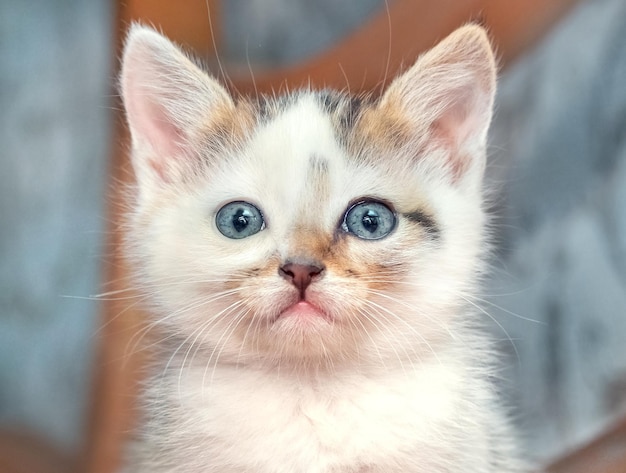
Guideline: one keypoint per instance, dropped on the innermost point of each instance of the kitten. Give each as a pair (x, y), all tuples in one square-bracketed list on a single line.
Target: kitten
[(311, 261)]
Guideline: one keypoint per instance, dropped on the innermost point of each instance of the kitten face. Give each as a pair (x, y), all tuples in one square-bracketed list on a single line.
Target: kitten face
[(312, 227)]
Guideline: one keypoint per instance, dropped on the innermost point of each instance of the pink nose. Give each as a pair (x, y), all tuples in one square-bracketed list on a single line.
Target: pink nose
[(300, 275)]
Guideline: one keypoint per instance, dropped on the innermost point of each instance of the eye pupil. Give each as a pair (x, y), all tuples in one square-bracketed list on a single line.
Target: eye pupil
[(240, 221), (370, 221)]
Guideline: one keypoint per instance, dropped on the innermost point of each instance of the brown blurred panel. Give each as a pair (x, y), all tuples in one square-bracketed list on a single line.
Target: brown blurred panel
[(606, 454), (24, 453), (194, 24), (118, 370), (375, 52)]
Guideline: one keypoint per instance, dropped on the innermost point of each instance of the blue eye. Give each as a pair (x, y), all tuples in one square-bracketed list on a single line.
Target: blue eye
[(238, 220), (369, 220)]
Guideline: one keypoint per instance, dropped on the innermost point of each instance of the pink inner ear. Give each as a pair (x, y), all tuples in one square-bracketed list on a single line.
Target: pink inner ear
[(454, 123), (460, 126), (152, 126)]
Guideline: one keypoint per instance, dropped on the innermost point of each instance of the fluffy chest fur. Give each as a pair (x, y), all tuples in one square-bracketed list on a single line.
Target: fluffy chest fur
[(309, 261), (248, 420)]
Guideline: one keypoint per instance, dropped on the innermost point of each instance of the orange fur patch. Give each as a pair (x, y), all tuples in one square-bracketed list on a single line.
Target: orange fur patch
[(229, 124), (385, 126)]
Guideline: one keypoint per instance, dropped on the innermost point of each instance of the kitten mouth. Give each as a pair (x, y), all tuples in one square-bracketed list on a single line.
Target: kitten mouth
[(305, 311)]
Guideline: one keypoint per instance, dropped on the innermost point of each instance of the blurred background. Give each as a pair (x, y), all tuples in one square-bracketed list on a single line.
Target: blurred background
[(556, 298)]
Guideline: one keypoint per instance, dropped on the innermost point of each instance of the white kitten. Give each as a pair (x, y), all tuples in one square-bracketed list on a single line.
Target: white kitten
[(311, 261)]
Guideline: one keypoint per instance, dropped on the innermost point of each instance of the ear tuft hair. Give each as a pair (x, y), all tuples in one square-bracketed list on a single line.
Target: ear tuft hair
[(168, 101), (447, 97)]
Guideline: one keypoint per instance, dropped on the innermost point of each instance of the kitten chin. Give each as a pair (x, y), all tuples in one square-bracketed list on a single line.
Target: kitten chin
[(310, 262)]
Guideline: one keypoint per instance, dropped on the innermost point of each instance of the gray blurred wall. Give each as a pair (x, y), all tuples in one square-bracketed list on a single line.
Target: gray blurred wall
[(558, 156), (55, 60)]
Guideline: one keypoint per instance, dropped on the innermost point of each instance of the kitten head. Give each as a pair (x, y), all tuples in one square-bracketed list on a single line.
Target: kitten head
[(314, 226)]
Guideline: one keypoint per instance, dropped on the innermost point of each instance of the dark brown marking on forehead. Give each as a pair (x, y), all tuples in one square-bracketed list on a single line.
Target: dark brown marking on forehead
[(318, 179), (344, 110), (330, 100), (318, 166), (352, 111), (269, 107), (263, 108), (425, 221)]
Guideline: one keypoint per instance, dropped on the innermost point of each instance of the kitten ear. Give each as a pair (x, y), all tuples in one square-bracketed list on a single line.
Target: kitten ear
[(447, 97), (169, 101)]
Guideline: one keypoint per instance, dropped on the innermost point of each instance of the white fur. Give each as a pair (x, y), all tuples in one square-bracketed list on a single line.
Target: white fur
[(400, 380)]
